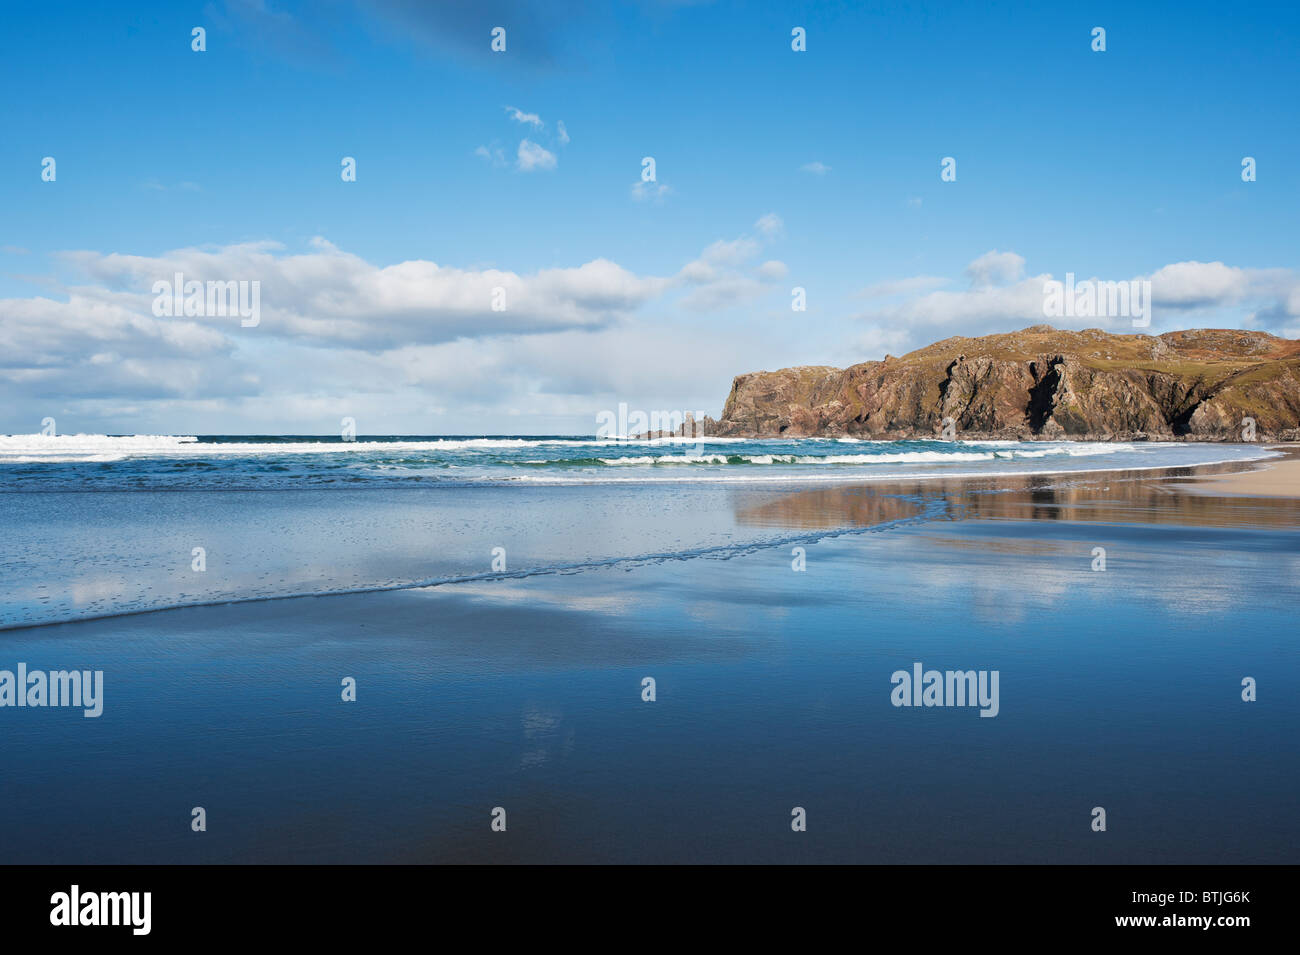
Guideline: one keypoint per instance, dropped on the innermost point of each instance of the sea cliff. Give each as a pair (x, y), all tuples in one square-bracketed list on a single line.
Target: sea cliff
[(1040, 382)]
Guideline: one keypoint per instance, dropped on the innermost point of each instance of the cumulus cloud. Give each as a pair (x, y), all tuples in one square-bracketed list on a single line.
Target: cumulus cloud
[(330, 319), (1197, 284), (341, 335), (328, 296), (1002, 298), (1269, 297), (101, 342), (995, 268), (532, 156)]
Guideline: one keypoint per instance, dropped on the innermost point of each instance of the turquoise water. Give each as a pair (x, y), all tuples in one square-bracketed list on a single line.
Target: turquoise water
[(74, 462)]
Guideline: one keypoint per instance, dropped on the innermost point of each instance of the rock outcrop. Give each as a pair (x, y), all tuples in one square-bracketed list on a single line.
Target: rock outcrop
[(1040, 382)]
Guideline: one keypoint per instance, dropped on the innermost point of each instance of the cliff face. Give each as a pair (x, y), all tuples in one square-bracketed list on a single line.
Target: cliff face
[(1039, 382)]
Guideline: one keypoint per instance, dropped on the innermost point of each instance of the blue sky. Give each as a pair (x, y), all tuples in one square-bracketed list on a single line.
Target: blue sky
[(1114, 165)]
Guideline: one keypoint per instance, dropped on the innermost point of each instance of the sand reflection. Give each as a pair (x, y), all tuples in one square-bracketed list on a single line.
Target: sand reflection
[(1162, 496)]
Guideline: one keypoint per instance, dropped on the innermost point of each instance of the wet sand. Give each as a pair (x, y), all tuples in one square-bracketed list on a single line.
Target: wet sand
[(1277, 478), (1122, 611)]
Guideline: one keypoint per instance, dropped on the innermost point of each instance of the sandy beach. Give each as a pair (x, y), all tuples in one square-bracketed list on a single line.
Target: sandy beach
[(771, 621), (1276, 478)]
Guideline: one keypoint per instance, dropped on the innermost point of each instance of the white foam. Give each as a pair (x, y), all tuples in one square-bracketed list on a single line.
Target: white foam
[(667, 459), (858, 476), (37, 448), (896, 457), (29, 448)]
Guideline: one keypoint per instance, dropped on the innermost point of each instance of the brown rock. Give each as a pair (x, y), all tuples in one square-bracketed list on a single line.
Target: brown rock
[(1040, 382)]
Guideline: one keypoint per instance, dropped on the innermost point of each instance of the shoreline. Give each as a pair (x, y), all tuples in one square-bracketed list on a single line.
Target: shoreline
[(527, 694), (1272, 477), (803, 512)]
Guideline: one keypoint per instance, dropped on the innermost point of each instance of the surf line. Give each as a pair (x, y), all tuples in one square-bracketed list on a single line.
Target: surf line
[(932, 509)]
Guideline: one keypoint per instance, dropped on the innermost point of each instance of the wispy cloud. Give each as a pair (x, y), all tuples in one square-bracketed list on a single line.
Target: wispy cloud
[(528, 119), (491, 154), (723, 276)]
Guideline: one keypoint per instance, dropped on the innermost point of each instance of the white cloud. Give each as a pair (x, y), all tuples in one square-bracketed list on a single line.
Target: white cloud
[(103, 342), (1001, 298), (1271, 296), (332, 297), (337, 332), (816, 168), (329, 316), (697, 272), (493, 155), (731, 251), (722, 277), (1191, 284), (528, 119), (561, 133), (397, 343), (532, 156), (723, 292), (876, 343), (995, 268), (1011, 306), (769, 226)]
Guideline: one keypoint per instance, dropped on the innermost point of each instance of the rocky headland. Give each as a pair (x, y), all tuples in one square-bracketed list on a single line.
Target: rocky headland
[(1037, 383)]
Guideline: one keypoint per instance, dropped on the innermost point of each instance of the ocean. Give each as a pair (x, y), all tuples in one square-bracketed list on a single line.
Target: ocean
[(100, 525), (168, 462), (499, 602)]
